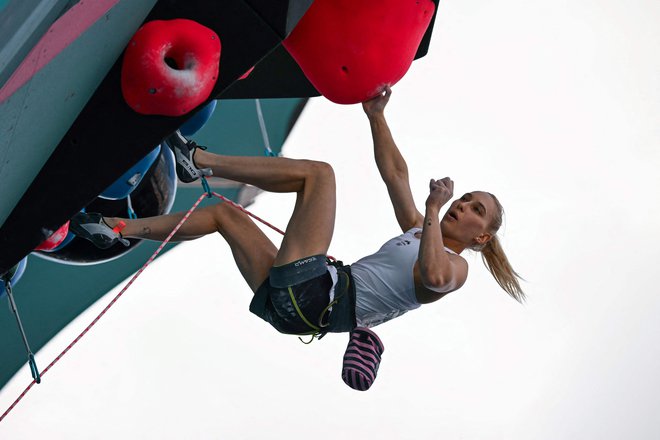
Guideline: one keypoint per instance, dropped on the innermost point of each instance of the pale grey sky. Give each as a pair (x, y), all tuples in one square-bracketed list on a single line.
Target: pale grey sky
[(554, 107)]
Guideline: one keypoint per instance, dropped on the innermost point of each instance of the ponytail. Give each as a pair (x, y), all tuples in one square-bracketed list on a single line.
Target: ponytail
[(496, 261), (498, 265)]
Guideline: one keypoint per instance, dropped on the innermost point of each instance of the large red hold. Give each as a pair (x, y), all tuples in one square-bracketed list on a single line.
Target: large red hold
[(170, 67), (350, 49)]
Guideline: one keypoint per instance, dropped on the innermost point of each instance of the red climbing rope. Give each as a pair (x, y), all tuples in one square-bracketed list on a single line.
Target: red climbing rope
[(239, 207)]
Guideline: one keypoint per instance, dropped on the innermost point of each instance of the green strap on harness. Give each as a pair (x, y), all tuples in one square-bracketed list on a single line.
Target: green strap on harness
[(317, 333), (295, 304)]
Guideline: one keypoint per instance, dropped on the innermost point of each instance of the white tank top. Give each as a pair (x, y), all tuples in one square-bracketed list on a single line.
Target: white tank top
[(384, 282)]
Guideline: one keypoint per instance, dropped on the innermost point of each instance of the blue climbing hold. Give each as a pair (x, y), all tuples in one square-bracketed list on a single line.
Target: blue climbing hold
[(18, 271), (131, 178), (198, 120)]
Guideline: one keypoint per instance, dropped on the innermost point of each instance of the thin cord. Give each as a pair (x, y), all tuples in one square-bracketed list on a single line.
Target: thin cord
[(264, 131)]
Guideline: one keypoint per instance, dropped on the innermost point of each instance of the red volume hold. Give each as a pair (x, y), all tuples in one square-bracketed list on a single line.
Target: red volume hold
[(350, 50)]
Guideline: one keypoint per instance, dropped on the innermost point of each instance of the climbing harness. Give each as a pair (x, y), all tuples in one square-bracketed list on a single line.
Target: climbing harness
[(207, 188), (317, 331)]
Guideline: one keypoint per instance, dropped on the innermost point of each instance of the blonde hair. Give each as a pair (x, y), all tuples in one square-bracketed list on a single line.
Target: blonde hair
[(496, 261)]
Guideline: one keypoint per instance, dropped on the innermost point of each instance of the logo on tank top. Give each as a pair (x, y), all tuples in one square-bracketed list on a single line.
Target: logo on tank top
[(404, 243)]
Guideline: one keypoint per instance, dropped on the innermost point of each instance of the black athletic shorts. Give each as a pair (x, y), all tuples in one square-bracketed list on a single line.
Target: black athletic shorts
[(295, 298)]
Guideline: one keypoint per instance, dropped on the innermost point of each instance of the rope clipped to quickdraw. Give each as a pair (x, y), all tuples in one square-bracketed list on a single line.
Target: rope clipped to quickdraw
[(207, 188), (12, 304)]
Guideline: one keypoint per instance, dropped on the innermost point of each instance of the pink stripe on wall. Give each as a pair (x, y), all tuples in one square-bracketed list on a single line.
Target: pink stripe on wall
[(59, 36)]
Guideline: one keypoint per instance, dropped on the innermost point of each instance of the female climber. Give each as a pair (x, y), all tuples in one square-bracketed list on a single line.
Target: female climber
[(296, 288)]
